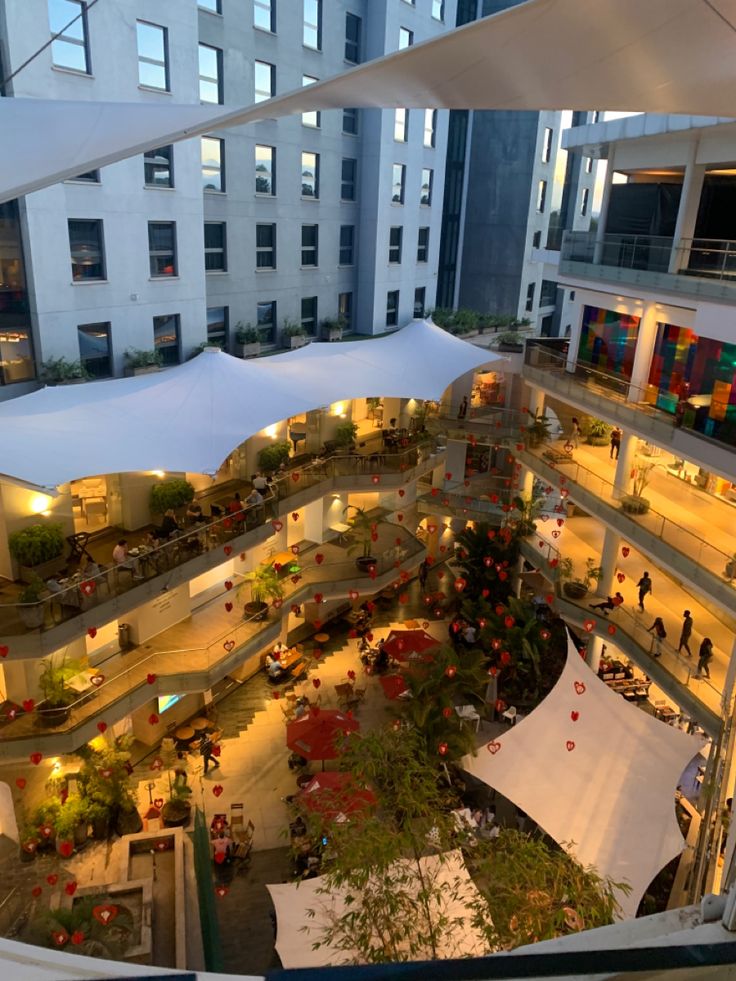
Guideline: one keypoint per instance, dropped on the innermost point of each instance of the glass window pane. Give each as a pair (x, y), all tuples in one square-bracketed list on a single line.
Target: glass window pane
[(312, 23), (70, 49), (264, 81), (265, 170), (213, 5), (350, 121), (266, 320), (263, 15), (217, 326), (212, 175), (166, 338), (85, 241), (162, 248), (311, 118), (157, 167), (310, 175), (152, 67), (94, 349), (210, 88)]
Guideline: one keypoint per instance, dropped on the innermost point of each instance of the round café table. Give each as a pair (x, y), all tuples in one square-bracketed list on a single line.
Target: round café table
[(200, 724), (185, 733), (322, 638)]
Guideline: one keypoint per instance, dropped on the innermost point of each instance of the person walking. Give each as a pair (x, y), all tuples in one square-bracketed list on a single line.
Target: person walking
[(685, 633), (616, 435), (463, 410), (423, 573), (705, 656), (657, 628), (205, 751), (644, 586), (575, 433), (612, 603)]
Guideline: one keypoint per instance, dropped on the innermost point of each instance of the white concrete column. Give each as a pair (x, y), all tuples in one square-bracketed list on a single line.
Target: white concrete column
[(391, 410), (729, 682), (603, 216), (643, 356), (536, 401), (687, 213), (455, 465), (526, 482), (318, 515), (609, 557), (595, 650), (622, 478)]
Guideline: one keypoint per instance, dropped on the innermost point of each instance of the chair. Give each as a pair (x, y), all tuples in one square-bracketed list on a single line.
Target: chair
[(237, 821), (78, 545), (510, 715), (288, 711)]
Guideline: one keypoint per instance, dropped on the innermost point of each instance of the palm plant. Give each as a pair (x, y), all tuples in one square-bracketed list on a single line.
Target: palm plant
[(364, 527)]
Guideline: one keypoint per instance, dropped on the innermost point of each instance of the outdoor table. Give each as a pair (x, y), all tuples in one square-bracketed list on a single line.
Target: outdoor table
[(199, 725), (322, 638), (185, 733), (342, 529), (82, 682)]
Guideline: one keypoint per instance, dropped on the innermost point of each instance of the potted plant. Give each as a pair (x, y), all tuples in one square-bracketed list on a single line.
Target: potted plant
[(510, 340), (43, 821), (105, 784), (139, 362), (331, 330), (71, 825), (271, 457), (170, 495), (178, 808), (529, 509), (247, 341), (597, 432), (538, 428), (636, 503), (576, 587), (293, 335), (366, 532), (29, 841), (99, 818), (57, 696), (345, 434), (59, 371), (30, 608), (265, 585), (38, 550)]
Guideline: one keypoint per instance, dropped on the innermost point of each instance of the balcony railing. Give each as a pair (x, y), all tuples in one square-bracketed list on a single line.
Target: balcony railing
[(693, 265), (87, 594)]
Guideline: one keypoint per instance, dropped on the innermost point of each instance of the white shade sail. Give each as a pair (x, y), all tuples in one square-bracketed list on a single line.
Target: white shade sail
[(189, 418), (597, 774), (667, 56)]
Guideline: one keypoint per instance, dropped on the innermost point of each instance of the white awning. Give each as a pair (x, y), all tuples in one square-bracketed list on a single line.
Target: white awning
[(664, 56), (189, 418), (598, 775)]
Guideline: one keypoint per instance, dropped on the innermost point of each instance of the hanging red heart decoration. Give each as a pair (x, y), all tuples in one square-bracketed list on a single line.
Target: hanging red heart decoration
[(277, 525), (620, 576), (277, 567), (625, 550), (442, 749), (351, 675), (153, 719), (217, 789), (227, 523), (228, 584), (401, 492), (11, 713), (493, 747), (60, 937), (52, 879), (372, 572), (579, 687), (589, 625), (70, 888), (569, 745), (553, 563), (150, 678), (556, 533), (318, 597), (28, 705), (545, 634), (505, 657), (295, 579), (66, 848), (319, 558), (448, 475), (157, 764), (611, 629), (277, 603), (560, 522), (77, 938), (228, 607), (295, 515), (375, 478), (447, 712), (20, 783), (36, 758), (574, 716), (316, 682), (354, 594), (295, 608), (228, 550), (97, 679), (295, 476), (104, 913), (500, 705), (87, 588), (221, 891), (36, 891), (509, 621), (228, 645), (544, 517), (460, 584), (434, 491), (4, 650), (102, 726), (92, 632)]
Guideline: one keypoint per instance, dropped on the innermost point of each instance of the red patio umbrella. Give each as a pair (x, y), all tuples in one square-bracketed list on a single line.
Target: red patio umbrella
[(401, 644), (318, 734), (393, 685), (336, 795)]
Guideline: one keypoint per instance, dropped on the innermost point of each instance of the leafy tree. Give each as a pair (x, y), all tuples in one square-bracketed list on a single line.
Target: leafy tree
[(487, 556), (78, 931)]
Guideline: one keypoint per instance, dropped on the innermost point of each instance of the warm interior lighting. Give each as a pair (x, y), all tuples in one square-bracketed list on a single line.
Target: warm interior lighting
[(40, 504), (338, 409), (158, 473), (271, 431)]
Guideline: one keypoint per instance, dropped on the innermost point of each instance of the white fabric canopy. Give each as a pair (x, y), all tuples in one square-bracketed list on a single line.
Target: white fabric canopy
[(297, 930), (669, 56), (189, 418), (602, 784)]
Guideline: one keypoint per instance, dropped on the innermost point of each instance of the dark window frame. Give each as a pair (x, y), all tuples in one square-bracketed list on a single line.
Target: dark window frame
[(423, 246), (349, 183), (98, 249), (218, 80), (353, 43), (165, 349), (152, 166), (266, 251), (395, 244), (64, 39), (346, 250), (392, 308), (310, 246), (88, 362), (211, 252), (144, 59), (156, 255)]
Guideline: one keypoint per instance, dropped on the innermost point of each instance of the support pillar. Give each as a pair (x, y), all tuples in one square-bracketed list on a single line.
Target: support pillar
[(622, 478), (603, 216), (687, 213), (645, 342), (595, 650), (536, 400), (609, 558)]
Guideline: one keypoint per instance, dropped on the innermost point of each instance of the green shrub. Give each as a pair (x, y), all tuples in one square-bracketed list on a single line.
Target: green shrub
[(37, 544), (271, 457), (59, 370), (290, 329), (345, 433), (173, 493), (247, 334), (136, 358)]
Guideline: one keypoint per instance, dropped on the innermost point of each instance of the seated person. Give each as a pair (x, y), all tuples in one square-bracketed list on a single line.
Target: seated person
[(259, 482), (381, 660), (612, 603), (255, 497), (235, 507), (121, 560), (194, 513), (273, 667), (221, 847), (469, 635), (88, 567), (169, 525), (280, 648), (301, 707)]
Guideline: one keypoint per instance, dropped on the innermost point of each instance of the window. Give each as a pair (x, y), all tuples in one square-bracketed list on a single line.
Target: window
[(529, 305), (309, 314), (397, 183), (265, 170), (438, 10), (265, 246), (548, 293), (213, 163), (162, 248), (88, 177), (395, 238), (85, 243), (406, 38), (547, 144), (401, 125), (158, 167), (94, 349), (311, 118), (16, 355), (266, 320), (350, 121), (392, 308), (215, 246), (310, 175), (166, 338), (349, 177), (423, 245), (588, 165), (541, 196), (153, 56), (212, 5), (264, 15), (71, 48), (310, 237), (430, 126), (584, 201), (345, 310), (210, 74), (217, 327), (347, 244), (264, 81), (353, 28), (312, 36), (536, 240), (419, 295), (595, 117), (425, 196)]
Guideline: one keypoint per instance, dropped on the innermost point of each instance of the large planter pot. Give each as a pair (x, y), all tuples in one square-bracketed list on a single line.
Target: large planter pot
[(332, 334), (81, 833), (27, 854), (101, 827), (635, 505), (64, 846), (256, 611), (128, 822), (50, 716), (574, 590), (297, 341), (366, 562), (44, 571), (176, 813), (598, 440), (248, 350), (510, 347), (31, 615), (147, 370)]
